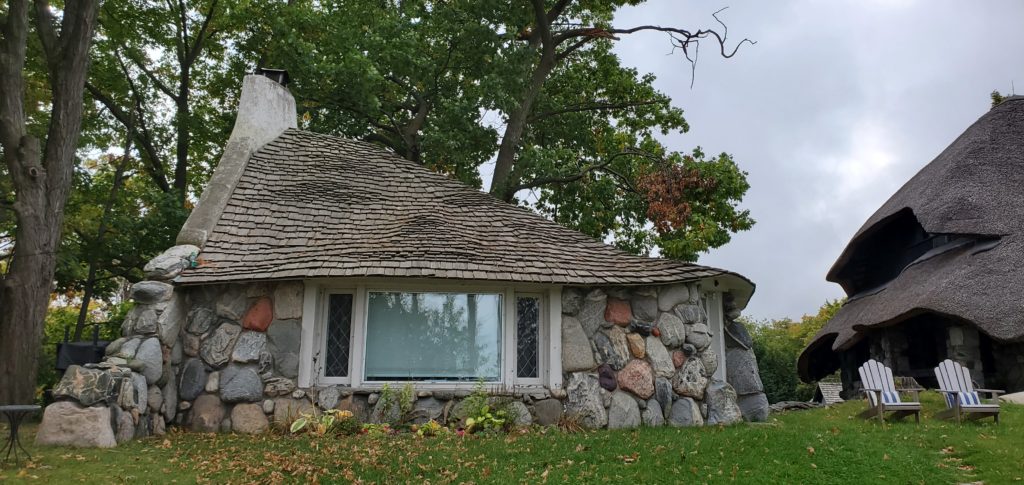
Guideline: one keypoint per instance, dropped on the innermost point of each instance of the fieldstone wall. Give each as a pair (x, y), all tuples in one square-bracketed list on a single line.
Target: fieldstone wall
[(133, 392), (643, 356), (240, 356), (226, 358), (210, 358), (741, 365), (963, 344)]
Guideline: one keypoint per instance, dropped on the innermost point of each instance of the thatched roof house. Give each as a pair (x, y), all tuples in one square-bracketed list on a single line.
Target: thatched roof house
[(939, 268)]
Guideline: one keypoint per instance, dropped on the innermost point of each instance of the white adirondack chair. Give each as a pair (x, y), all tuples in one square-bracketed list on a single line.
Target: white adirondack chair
[(883, 396), (961, 396)]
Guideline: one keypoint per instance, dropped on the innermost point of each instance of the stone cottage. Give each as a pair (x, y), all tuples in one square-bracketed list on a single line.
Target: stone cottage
[(936, 272), (315, 270)]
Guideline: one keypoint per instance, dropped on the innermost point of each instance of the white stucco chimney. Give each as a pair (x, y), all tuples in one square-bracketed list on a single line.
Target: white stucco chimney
[(265, 110)]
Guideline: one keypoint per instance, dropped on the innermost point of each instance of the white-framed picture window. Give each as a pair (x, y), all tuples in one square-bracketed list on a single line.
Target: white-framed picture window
[(442, 336)]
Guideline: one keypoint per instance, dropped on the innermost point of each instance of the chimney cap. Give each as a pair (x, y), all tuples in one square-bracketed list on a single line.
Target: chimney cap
[(278, 75)]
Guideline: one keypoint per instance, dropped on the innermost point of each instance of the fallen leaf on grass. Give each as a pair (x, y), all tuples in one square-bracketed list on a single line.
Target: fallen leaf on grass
[(627, 459), (810, 450)]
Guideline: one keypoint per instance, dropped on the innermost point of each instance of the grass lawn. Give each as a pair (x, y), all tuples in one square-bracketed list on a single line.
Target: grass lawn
[(818, 446)]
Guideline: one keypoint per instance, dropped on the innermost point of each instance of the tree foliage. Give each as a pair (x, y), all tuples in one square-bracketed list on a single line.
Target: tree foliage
[(778, 344), (572, 133), (529, 94)]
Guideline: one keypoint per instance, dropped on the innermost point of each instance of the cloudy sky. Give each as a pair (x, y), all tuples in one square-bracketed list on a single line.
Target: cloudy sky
[(838, 104)]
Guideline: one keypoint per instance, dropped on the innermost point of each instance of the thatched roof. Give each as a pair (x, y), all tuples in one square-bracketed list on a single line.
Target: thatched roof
[(318, 206), (974, 189)]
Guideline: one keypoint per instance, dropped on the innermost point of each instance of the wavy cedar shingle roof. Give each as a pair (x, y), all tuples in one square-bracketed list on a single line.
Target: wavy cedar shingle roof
[(974, 187), (318, 206)]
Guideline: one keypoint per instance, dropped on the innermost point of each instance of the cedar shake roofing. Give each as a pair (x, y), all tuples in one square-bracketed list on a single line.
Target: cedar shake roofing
[(975, 187), (318, 206)]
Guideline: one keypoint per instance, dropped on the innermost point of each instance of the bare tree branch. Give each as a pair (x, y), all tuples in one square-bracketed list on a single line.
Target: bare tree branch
[(154, 167), (204, 33), (573, 48), (565, 179), (152, 76), (591, 107)]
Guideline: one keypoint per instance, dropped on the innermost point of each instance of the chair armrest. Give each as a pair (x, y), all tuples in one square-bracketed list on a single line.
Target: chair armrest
[(993, 392), (948, 391), (878, 397)]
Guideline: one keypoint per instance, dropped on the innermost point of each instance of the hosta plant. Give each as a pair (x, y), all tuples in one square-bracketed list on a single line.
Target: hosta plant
[(332, 421)]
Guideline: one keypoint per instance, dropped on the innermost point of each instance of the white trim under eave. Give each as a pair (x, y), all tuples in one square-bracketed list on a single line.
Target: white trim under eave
[(716, 323), (311, 293), (554, 360)]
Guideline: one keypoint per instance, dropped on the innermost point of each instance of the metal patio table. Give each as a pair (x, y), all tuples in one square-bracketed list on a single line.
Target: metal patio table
[(15, 414)]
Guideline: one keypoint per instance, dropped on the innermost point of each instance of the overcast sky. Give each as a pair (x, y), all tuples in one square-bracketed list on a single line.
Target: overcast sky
[(838, 104)]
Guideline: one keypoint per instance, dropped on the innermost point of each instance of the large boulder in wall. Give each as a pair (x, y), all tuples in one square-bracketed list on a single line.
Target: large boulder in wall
[(66, 423)]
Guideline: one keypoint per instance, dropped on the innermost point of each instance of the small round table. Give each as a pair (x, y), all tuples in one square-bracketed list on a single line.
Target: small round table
[(15, 414)]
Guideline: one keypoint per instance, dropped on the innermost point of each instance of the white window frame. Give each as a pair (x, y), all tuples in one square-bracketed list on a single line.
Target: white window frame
[(314, 335), (542, 340), (320, 341)]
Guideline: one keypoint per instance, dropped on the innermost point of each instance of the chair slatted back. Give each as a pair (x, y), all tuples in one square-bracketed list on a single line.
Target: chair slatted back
[(954, 377), (875, 375)]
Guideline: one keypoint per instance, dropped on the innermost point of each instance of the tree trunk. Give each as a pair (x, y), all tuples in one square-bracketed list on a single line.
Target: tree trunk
[(501, 181), (41, 181), (25, 292), (184, 136)]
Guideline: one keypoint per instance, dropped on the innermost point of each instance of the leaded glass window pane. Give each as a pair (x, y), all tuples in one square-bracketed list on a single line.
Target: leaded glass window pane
[(339, 333), (527, 336)]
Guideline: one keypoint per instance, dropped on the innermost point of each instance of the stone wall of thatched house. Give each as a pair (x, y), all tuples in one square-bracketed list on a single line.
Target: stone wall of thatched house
[(915, 348), (226, 358)]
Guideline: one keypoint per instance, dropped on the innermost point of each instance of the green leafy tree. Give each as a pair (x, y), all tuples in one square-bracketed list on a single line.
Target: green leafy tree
[(116, 220), (777, 345), (536, 88), (996, 97), (162, 85), (167, 73)]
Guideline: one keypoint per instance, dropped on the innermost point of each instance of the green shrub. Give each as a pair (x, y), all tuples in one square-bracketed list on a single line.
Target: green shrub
[(486, 413), (778, 344), (404, 399), (432, 428), (331, 422)]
